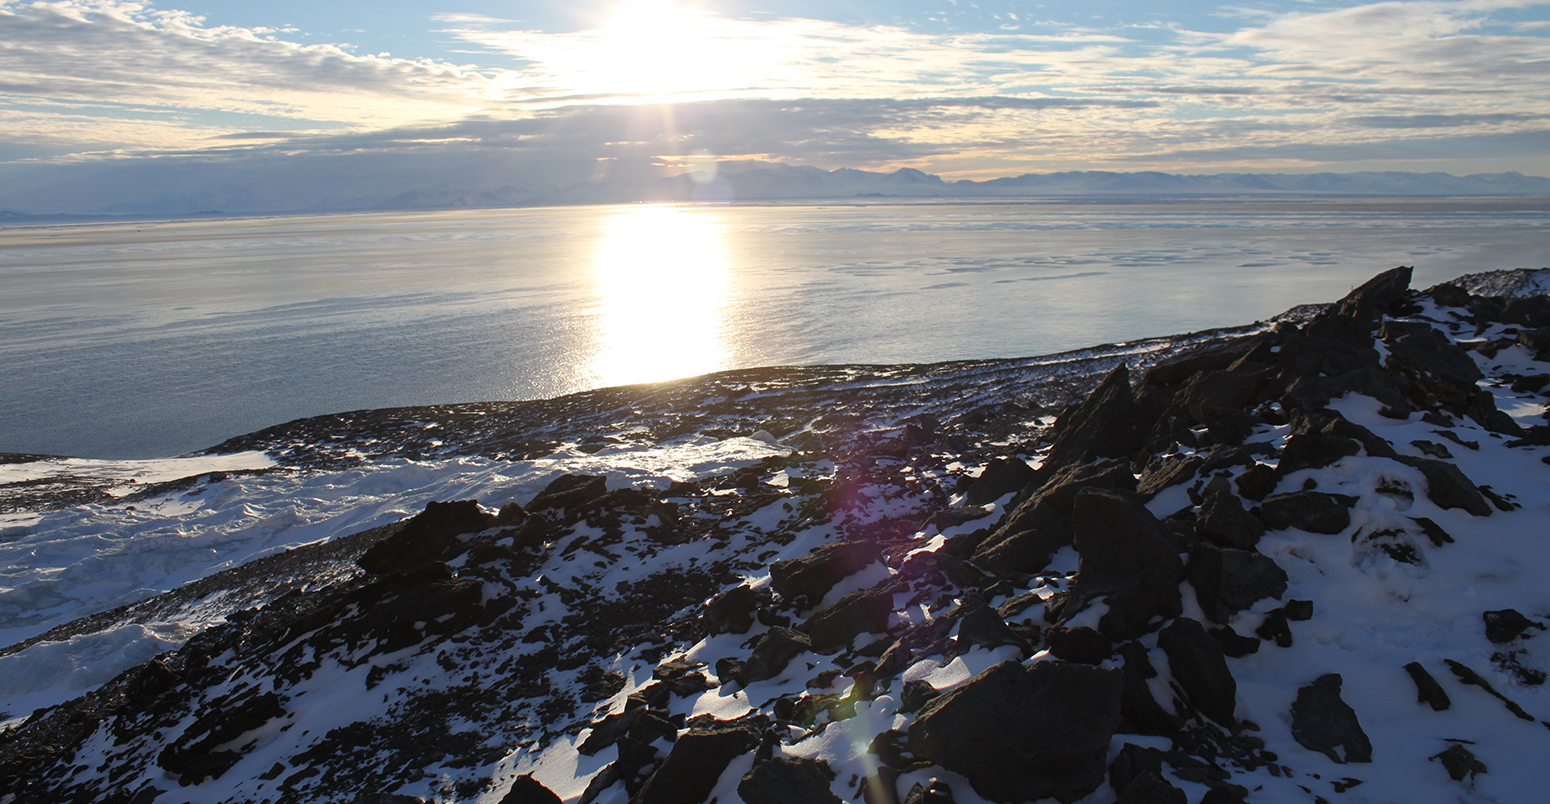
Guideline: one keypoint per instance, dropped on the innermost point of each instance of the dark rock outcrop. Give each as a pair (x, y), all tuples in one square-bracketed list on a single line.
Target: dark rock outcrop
[(699, 756), (1200, 668), (1022, 733), (1002, 476), (807, 579), (431, 535), (1322, 722), (1427, 690), (1108, 424), (527, 790), (1227, 581), (788, 780), (1312, 511), (1126, 556), (1026, 539), (773, 650), (731, 612)]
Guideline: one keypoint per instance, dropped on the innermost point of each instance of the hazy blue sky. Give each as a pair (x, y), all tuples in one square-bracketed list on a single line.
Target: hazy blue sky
[(541, 91)]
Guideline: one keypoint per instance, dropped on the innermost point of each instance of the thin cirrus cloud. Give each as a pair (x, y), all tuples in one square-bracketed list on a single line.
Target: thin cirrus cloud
[(85, 81)]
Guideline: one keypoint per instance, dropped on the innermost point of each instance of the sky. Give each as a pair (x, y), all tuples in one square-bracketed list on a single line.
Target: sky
[(100, 99)]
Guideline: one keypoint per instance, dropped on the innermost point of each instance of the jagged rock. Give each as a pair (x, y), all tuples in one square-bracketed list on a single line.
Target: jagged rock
[(527, 790), (1377, 295), (569, 493), (935, 791), (1313, 451), (697, 760), (1275, 628), (862, 612), (1222, 520), (1108, 424), (1257, 482), (1219, 389), (1080, 644), (1427, 690), (915, 694), (1322, 722), (1312, 511), (1131, 762), (1151, 788), (644, 724), (1041, 524), (1170, 472), (1181, 367), (940, 568), (1433, 531), (1447, 487), (1002, 476), (428, 536), (731, 612), (1126, 556), (1200, 669), (1140, 712), (1021, 733), (979, 624), (1234, 645), (1227, 581), (1308, 356), (1460, 762), (1443, 373), (773, 650), (1507, 625), (1470, 677), (788, 780), (811, 577)]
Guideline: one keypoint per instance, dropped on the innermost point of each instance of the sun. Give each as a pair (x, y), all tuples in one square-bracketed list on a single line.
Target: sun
[(659, 48)]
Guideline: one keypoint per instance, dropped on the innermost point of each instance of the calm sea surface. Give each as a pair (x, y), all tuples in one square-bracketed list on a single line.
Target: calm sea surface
[(153, 339)]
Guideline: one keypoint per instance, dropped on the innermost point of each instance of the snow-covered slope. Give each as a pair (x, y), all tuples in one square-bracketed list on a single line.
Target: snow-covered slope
[(1232, 572)]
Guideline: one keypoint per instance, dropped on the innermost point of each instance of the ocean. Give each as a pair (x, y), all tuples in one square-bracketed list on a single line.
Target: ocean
[(157, 338)]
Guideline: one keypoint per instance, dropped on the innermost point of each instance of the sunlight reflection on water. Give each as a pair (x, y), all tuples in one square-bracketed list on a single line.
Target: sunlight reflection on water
[(662, 275)]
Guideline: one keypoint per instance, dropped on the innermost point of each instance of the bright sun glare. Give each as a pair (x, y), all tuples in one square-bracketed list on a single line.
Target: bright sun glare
[(652, 47), (661, 272)]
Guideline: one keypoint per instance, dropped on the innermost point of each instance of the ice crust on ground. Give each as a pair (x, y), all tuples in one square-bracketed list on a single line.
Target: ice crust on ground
[(1373, 613)]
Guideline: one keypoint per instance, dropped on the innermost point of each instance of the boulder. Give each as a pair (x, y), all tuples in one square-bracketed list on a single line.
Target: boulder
[(429, 536), (527, 790), (1126, 556), (788, 780), (862, 612), (1234, 645), (1223, 521), (1507, 625), (1322, 722), (1257, 482), (1460, 763), (1108, 424), (1140, 712), (1022, 733), (1312, 511), (1029, 536), (1169, 472), (979, 624), (1131, 762), (569, 493), (731, 612), (807, 579), (1002, 476), (1181, 367), (1427, 690), (1200, 669), (1227, 581), (773, 650), (1314, 451), (1447, 486), (1080, 644), (699, 756), (1377, 295)]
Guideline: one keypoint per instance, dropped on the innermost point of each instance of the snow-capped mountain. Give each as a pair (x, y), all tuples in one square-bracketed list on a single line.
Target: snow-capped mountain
[(1302, 560)]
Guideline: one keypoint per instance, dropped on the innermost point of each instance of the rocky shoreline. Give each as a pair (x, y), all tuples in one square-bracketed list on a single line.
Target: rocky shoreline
[(1298, 561)]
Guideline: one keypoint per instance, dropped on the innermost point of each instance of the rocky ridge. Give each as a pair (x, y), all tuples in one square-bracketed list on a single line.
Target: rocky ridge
[(1192, 584)]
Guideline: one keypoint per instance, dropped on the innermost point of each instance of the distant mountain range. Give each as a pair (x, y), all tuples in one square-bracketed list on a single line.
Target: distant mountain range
[(756, 181)]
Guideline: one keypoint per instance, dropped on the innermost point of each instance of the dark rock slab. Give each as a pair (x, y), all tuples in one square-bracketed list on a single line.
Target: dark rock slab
[(1313, 451), (788, 780), (1312, 511), (774, 650), (807, 579), (1506, 625), (1460, 763), (429, 536), (1427, 690), (1181, 367), (865, 611), (1151, 788), (1322, 722), (1080, 644), (979, 624), (697, 760), (1022, 733), (731, 612), (1040, 525), (1002, 476), (1140, 712), (1257, 482), (1223, 521), (1235, 645), (569, 493), (1200, 669), (1108, 424), (1131, 762), (527, 790), (1227, 581), (1448, 487), (1127, 556)]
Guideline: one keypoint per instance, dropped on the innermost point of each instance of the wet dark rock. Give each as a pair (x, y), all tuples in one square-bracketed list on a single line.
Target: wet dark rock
[(1312, 511), (1459, 762), (1140, 712), (527, 790), (1227, 581), (1222, 520), (788, 780), (1447, 487), (1124, 555), (1257, 482), (1322, 722), (1151, 788), (428, 536), (731, 612), (1002, 476), (1040, 525), (1080, 644), (1200, 669), (807, 579), (569, 493), (1507, 625), (773, 650), (1427, 690), (1131, 762), (1022, 733), (1234, 645), (862, 612), (1107, 424), (698, 758)]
